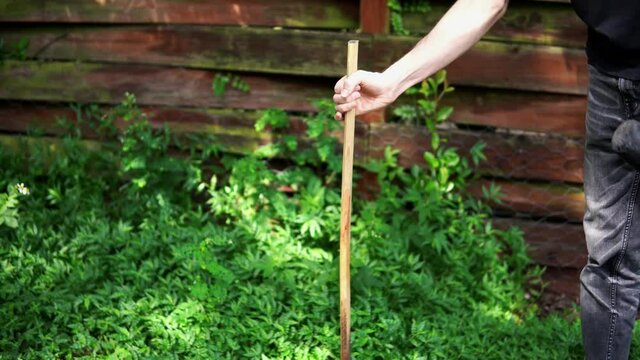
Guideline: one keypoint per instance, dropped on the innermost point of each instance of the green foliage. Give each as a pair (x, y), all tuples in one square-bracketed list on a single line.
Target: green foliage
[(221, 80), (9, 205), (398, 7), (19, 52), (244, 265), (426, 110)]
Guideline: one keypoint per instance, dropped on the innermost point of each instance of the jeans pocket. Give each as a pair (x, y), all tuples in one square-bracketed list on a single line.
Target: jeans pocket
[(626, 141)]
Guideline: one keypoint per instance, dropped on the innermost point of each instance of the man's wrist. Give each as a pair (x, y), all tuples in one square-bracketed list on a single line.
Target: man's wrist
[(392, 83)]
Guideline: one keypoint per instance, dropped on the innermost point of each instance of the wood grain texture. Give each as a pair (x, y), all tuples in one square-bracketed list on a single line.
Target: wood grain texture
[(374, 16), (169, 86), (524, 22), (536, 112), (551, 244), (298, 52), (154, 85), (328, 14), (542, 200), (516, 157), (232, 128), (563, 281), (508, 156), (345, 214)]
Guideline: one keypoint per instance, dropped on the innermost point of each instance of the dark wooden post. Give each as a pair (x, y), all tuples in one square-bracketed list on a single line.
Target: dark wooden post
[(374, 16), (374, 19)]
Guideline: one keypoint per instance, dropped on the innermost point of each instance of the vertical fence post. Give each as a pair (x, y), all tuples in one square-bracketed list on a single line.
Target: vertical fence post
[(374, 19), (374, 16)]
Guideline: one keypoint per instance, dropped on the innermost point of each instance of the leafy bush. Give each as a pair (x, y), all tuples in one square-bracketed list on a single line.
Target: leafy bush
[(9, 203), (124, 251), (398, 7)]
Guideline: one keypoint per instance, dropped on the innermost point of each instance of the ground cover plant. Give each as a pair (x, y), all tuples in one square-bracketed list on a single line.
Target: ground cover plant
[(153, 245)]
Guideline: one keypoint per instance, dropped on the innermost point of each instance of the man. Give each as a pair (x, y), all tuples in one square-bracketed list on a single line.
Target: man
[(610, 282)]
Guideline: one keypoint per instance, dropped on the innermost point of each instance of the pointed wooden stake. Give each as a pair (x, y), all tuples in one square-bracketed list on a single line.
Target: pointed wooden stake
[(345, 215)]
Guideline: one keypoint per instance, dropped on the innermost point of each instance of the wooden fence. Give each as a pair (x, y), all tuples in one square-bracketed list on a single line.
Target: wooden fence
[(520, 90)]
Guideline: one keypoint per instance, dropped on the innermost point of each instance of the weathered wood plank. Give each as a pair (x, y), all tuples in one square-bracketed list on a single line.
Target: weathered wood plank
[(550, 201), (374, 16), (527, 111), (550, 114), (153, 85), (297, 52), (508, 156), (525, 22), (232, 128), (158, 85), (550, 244), (519, 157), (564, 282), (329, 14)]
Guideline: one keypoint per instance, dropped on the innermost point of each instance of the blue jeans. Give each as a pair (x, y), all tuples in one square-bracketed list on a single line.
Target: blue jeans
[(610, 282)]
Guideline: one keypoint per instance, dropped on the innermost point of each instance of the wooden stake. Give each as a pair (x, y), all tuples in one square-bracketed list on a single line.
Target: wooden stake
[(345, 215)]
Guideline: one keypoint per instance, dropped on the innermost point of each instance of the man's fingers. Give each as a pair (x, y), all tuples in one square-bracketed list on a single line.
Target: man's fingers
[(339, 85), (346, 107), (352, 82), (347, 92), (353, 97), (339, 99)]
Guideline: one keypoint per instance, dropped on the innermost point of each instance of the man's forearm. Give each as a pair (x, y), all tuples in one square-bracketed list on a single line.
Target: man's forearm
[(458, 30)]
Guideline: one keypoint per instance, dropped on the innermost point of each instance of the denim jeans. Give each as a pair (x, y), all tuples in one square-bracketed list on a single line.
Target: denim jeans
[(610, 282)]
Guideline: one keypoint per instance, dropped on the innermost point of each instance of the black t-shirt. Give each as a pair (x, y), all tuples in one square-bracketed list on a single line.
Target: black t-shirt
[(613, 45)]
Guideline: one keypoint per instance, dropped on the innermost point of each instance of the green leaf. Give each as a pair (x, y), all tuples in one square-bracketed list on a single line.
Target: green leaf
[(435, 141), (441, 76), (267, 151), (444, 113), (275, 118), (200, 291), (477, 152), (431, 160), (219, 84), (11, 221)]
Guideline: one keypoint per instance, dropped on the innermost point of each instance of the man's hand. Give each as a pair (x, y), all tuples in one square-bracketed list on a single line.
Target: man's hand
[(461, 27), (364, 91)]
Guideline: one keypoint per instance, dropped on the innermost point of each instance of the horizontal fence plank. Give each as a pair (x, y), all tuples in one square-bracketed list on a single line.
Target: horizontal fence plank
[(233, 129), (524, 22), (159, 85), (562, 286), (542, 200), (508, 156), (153, 85), (526, 111), (298, 52), (550, 244), (328, 14), (536, 112), (518, 157)]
